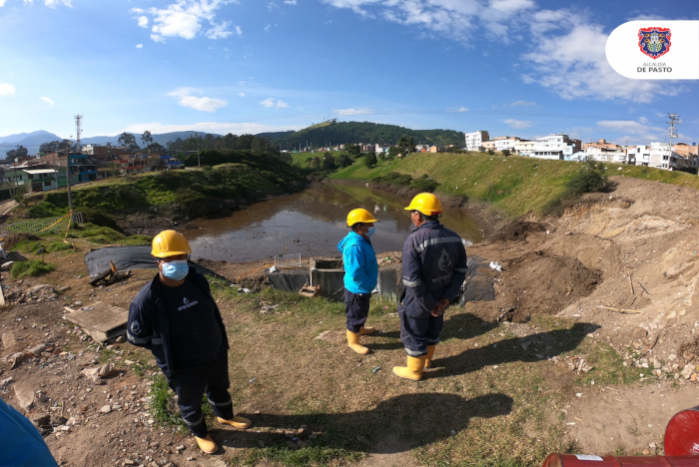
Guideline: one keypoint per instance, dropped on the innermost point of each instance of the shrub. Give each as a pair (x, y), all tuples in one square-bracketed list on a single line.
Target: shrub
[(31, 268), (590, 178), (370, 159), (424, 183)]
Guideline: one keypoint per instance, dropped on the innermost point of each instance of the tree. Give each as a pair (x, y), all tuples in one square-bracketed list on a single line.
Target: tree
[(481, 148), (146, 138), (370, 159), (13, 154), (156, 148), (490, 152), (353, 149), (345, 160), (328, 161), (128, 140), (505, 152), (394, 151), (406, 145), (316, 163)]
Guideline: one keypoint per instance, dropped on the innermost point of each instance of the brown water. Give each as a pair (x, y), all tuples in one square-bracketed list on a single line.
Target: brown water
[(311, 223)]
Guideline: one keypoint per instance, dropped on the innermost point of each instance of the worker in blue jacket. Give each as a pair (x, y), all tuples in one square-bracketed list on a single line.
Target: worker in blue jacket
[(361, 275), (434, 268), (20, 441), (176, 317)]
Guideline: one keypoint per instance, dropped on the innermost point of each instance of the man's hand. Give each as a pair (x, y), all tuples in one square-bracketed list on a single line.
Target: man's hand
[(440, 308)]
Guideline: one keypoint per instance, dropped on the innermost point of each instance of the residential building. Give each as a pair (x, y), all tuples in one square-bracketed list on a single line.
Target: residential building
[(556, 146), (505, 142), (475, 140), (524, 147), (381, 148), (433, 149), (602, 144), (421, 147), (35, 179), (488, 145), (104, 153), (605, 154)]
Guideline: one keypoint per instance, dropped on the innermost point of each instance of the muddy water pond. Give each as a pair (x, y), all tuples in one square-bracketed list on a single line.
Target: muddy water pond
[(311, 223)]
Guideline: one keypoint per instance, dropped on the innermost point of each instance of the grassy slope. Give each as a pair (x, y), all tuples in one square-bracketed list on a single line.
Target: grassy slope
[(516, 185), (179, 188)]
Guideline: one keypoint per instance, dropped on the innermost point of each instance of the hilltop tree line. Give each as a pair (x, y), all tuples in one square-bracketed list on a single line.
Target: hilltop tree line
[(334, 133)]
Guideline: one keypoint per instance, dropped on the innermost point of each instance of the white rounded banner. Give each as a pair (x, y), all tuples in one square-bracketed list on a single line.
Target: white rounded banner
[(655, 49)]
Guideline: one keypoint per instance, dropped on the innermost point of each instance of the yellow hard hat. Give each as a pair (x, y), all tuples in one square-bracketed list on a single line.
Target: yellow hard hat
[(359, 215), (170, 243), (426, 203)]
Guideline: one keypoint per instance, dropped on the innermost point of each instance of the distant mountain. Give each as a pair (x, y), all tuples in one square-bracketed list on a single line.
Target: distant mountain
[(333, 133), (31, 141)]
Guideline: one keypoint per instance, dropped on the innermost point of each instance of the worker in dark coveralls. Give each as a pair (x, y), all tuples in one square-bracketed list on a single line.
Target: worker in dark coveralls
[(361, 275), (434, 267), (176, 317)]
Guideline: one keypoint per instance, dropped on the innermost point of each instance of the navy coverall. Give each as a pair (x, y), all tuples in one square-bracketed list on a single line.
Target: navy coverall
[(155, 323), (434, 267)]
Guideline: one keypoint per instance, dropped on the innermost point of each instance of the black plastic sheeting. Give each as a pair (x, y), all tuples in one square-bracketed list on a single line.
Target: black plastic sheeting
[(129, 257), (478, 285)]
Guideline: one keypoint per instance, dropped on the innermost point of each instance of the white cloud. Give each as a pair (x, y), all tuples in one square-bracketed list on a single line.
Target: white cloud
[(53, 3), (48, 100), (139, 46), (238, 30), (241, 94), (186, 19), (575, 66), (523, 103), (518, 124), (462, 109), (2, 3), (6, 89), (628, 126), (204, 104), (272, 103), (143, 21), (209, 127), (353, 111), (289, 2)]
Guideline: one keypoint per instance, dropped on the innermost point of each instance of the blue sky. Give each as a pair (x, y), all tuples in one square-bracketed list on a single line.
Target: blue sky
[(512, 67)]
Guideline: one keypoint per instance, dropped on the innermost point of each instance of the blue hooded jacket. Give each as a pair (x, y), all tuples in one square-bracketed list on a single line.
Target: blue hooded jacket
[(361, 268)]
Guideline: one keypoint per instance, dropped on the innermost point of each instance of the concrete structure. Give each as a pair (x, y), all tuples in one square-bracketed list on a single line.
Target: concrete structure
[(525, 147), (556, 147), (475, 140), (104, 153), (602, 154), (381, 148), (602, 144)]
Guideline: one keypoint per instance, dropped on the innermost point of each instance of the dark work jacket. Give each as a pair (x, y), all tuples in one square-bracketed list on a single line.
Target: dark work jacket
[(149, 326), (434, 267)]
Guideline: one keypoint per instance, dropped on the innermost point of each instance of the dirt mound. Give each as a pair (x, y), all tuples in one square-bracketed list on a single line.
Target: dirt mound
[(543, 283), (518, 230)]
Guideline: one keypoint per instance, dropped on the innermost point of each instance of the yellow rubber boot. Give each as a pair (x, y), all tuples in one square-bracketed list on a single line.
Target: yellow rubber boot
[(207, 444), (367, 330), (237, 422), (414, 369), (430, 354), (353, 343)]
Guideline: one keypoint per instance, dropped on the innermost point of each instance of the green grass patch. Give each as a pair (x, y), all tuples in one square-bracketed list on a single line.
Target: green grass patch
[(106, 235), (31, 268)]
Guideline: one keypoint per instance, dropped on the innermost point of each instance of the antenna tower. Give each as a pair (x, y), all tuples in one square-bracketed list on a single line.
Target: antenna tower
[(674, 120), (78, 125)]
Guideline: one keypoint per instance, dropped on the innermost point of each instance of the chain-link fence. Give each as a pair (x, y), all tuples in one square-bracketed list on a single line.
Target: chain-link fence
[(35, 226)]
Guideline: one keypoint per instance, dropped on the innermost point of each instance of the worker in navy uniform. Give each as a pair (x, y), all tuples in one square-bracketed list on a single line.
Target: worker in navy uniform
[(361, 275), (434, 268), (176, 317)]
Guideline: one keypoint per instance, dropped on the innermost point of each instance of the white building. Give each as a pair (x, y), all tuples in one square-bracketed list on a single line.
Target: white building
[(556, 147), (382, 148), (604, 155), (525, 148), (658, 156), (475, 140), (505, 142)]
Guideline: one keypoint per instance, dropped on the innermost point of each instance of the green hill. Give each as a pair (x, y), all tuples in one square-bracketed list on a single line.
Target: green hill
[(334, 133)]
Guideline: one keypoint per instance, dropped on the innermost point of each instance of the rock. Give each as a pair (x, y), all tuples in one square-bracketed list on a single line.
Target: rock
[(58, 420), (128, 462), (653, 447), (646, 452), (5, 382), (304, 433), (179, 448), (292, 445), (129, 362), (639, 333), (77, 304), (25, 396), (99, 372), (260, 443), (7, 266), (41, 419), (657, 364), (106, 409), (688, 370), (8, 340), (36, 350), (693, 378), (671, 357), (65, 288), (120, 340), (190, 459)]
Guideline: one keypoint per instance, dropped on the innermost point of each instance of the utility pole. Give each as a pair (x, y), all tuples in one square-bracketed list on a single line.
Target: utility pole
[(674, 119)]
